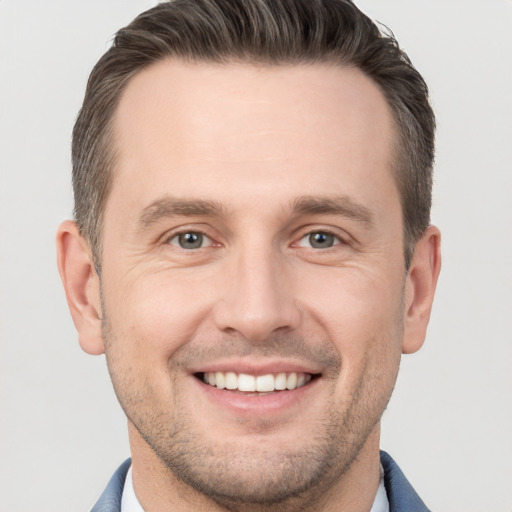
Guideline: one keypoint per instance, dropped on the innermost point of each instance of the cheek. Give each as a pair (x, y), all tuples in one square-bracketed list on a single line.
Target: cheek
[(361, 316), (154, 314)]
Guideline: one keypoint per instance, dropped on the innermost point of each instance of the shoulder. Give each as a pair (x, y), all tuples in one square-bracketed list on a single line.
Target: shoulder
[(401, 495), (110, 500)]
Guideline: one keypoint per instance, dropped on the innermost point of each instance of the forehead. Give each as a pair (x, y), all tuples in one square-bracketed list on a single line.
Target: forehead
[(182, 124)]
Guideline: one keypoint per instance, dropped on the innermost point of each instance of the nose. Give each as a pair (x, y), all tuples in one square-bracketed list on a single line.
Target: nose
[(257, 297)]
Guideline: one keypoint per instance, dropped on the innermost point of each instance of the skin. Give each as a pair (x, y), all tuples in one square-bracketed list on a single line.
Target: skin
[(256, 159)]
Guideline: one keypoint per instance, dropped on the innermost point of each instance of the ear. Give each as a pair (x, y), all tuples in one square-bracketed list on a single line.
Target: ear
[(420, 288), (82, 286)]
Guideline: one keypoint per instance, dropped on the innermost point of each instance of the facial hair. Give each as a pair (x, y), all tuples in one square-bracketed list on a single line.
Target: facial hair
[(257, 476)]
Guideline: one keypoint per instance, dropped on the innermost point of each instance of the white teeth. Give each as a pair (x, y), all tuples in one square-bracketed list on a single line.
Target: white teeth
[(246, 382), (280, 381), (262, 383), (231, 380), (220, 380), (265, 383), (291, 381)]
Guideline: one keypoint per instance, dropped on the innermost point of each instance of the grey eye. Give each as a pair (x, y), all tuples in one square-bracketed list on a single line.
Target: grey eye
[(321, 240), (191, 240)]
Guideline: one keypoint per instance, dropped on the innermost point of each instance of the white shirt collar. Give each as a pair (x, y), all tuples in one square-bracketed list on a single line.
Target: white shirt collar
[(381, 503), (130, 503)]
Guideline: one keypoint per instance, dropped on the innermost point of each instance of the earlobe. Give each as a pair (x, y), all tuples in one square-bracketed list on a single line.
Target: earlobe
[(82, 286), (420, 288)]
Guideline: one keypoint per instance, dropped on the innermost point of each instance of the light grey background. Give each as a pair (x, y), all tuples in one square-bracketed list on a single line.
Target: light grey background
[(449, 424)]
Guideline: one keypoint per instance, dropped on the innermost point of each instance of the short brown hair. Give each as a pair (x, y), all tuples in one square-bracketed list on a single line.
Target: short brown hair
[(266, 32)]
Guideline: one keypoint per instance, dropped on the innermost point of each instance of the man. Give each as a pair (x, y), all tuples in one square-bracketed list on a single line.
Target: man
[(252, 252)]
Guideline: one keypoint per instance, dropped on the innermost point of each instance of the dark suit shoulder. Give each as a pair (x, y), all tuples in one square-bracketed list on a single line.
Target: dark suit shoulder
[(110, 500), (401, 495)]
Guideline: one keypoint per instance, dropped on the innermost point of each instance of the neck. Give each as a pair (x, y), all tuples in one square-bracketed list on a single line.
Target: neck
[(158, 489)]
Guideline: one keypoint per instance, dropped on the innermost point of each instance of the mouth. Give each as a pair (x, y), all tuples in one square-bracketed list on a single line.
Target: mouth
[(255, 385)]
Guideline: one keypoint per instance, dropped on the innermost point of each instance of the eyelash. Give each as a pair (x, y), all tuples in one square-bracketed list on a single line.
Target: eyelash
[(336, 239), (174, 239)]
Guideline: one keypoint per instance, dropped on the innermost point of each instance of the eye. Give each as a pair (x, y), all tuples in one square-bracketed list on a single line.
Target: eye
[(319, 240), (190, 240)]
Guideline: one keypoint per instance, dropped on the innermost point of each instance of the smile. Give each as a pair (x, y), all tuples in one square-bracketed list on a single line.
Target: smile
[(261, 383)]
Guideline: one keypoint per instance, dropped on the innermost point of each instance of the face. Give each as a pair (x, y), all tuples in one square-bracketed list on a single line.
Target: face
[(252, 273)]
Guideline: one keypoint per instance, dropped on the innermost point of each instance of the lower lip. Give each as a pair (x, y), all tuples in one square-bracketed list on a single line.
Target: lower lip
[(263, 403)]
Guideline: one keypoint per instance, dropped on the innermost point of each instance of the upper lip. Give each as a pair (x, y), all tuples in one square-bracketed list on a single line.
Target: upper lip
[(256, 368)]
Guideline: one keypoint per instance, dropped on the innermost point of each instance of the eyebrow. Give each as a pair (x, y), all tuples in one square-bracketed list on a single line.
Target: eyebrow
[(171, 207), (342, 205)]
